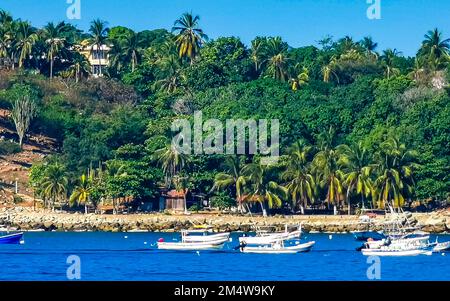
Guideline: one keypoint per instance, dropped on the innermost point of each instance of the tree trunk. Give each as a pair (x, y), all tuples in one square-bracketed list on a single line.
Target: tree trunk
[(348, 202), (302, 210), (99, 60), (51, 67), (85, 208), (263, 209), (334, 209)]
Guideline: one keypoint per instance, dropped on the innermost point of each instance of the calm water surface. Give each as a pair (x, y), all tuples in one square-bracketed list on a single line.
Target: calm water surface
[(133, 256)]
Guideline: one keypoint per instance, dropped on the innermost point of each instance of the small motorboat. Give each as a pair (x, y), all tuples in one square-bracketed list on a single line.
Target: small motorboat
[(365, 235), (189, 246), (263, 237), (203, 236), (191, 240), (15, 238), (277, 247), (441, 246)]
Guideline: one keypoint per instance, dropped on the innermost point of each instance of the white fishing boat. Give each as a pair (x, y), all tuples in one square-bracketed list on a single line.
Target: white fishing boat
[(263, 237), (441, 247), (277, 247), (203, 236), (196, 240), (189, 246)]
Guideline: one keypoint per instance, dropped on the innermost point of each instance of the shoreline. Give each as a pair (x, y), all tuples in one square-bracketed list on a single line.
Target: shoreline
[(24, 219)]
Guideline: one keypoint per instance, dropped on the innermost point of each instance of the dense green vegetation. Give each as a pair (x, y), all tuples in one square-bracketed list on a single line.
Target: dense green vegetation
[(357, 125)]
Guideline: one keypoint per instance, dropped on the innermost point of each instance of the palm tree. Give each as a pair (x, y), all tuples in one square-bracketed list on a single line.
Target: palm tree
[(388, 60), (55, 41), (330, 70), (5, 42), (395, 166), (369, 46), (79, 66), (26, 37), (114, 170), (276, 59), (435, 47), (301, 77), (132, 48), (357, 168), (171, 160), (257, 52), (326, 165), (99, 32), (301, 183), (81, 193), (189, 36), (55, 182), (172, 76), (265, 190), (232, 177)]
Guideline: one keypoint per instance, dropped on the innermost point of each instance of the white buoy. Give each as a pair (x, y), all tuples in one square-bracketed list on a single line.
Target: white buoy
[(330, 236), (198, 253), (125, 237), (145, 242), (230, 239)]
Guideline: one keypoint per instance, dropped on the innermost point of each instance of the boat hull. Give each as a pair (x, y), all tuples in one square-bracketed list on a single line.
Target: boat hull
[(378, 252), (11, 239), (306, 247), (181, 246)]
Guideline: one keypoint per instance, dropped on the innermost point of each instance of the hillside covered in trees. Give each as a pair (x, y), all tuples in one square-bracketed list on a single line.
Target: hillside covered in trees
[(358, 124)]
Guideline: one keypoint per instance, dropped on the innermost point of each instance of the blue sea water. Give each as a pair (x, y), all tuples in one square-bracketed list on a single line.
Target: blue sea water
[(133, 256)]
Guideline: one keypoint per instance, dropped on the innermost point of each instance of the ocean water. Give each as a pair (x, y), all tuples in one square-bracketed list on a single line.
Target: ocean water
[(133, 256)]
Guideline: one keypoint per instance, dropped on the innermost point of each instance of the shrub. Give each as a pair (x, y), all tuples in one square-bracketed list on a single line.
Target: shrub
[(8, 147), (222, 202)]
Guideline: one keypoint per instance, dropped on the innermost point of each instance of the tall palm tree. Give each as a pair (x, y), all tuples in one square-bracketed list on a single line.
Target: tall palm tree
[(232, 177), (330, 70), (326, 165), (55, 41), (114, 170), (265, 190), (388, 60), (257, 52), (395, 166), (132, 48), (172, 77), (79, 66), (99, 32), (55, 182), (189, 37), (301, 183), (369, 46), (26, 37), (171, 160), (80, 194), (276, 59), (357, 168), (435, 47), (5, 42)]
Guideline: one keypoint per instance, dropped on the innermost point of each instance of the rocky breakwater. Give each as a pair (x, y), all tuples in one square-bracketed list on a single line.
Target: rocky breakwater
[(26, 219)]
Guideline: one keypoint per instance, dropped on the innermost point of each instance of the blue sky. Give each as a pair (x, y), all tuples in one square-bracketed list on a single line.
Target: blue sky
[(300, 22)]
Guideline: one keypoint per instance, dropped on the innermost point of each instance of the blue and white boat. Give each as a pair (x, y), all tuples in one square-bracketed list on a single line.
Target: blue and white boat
[(15, 238)]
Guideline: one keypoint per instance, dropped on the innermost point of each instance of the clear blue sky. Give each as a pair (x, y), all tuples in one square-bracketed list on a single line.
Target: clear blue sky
[(300, 22)]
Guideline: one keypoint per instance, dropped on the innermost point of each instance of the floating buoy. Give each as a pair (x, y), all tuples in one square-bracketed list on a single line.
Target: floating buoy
[(330, 236), (145, 242), (198, 253), (125, 237)]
